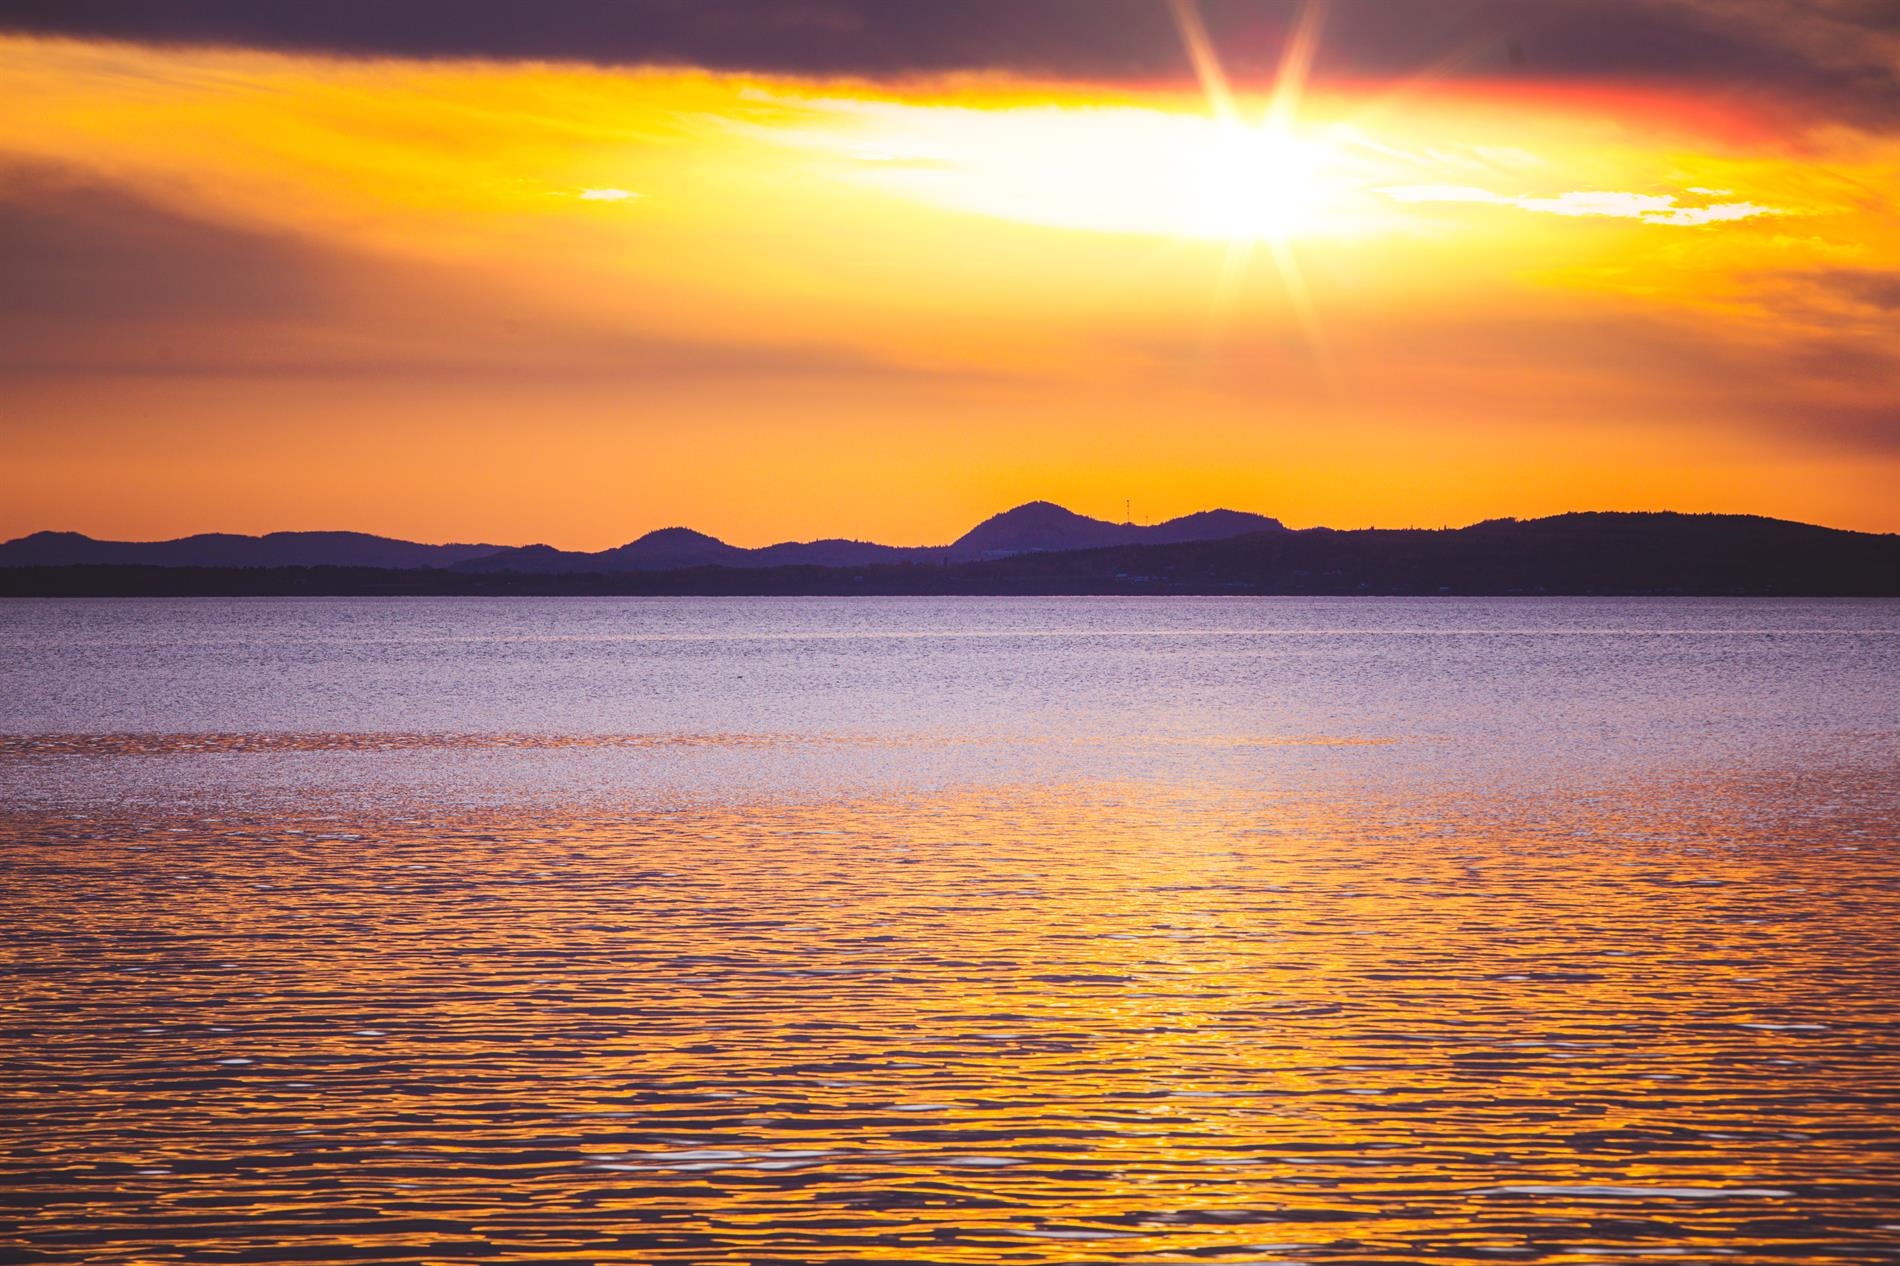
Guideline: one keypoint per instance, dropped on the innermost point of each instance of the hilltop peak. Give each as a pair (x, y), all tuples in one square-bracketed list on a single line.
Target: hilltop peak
[(677, 536), (1037, 510), (1045, 527)]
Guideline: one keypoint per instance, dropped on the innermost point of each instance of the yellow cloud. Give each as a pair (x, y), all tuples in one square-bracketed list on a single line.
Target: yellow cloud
[(1649, 208), (924, 298)]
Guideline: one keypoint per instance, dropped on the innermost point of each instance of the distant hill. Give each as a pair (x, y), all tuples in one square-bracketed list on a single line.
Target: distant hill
[(220, 549), (665, 550), (1043, 527), (1570, 554), (672, 548), (1036, 527), (838, 553), (1608, 554)]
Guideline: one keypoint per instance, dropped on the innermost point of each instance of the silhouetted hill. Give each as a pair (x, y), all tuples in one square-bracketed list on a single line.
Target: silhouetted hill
[(1208, 525), (1038, 526), (670, 549), (1044, 527), (665, 550), (1579, 553), (838, 553), (1664, 554), (220, 549)]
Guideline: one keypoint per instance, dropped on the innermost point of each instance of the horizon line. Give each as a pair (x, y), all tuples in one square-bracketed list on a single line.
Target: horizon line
[(780, 541)]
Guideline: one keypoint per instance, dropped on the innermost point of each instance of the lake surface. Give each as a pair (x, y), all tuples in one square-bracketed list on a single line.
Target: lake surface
[(950, 931)]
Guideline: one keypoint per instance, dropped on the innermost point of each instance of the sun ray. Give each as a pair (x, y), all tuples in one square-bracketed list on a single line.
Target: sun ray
[(1306, 316), (1234, 267), (1201, 52), (1296, 65), (1276, 135)]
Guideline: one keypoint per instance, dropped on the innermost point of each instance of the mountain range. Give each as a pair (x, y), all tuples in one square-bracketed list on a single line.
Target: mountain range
[(1034, 549), (1036, 527)]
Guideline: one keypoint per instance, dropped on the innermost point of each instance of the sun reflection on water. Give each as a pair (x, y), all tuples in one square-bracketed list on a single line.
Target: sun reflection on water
[(1070, 1024)]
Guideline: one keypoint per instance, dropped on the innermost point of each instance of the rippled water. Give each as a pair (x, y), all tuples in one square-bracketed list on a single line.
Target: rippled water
[(948, 932)]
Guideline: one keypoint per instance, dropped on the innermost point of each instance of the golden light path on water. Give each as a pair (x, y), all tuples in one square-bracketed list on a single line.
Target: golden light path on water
[(1061, 1024), (950, 931)]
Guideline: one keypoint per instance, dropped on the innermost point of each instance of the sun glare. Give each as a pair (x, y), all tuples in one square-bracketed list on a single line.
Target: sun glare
[(1214, 172), (1261, 182), (1119, 169)]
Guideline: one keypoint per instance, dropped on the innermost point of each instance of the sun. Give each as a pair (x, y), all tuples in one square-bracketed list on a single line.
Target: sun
[(1261, 181), (1223, 167), (1230, 168), (1115, 169)]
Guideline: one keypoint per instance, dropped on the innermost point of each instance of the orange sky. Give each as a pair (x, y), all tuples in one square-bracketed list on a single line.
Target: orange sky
[(513, 301)]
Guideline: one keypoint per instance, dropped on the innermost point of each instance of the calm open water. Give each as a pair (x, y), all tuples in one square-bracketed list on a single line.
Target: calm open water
[(950, 931)]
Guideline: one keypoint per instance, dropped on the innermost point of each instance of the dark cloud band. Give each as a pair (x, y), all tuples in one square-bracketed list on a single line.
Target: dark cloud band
[(1838, 57)]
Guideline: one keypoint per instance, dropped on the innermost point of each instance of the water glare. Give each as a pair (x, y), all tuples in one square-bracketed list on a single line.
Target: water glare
[(1303, 974)]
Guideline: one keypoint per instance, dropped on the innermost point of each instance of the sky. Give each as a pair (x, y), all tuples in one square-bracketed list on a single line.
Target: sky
[(467, 270)]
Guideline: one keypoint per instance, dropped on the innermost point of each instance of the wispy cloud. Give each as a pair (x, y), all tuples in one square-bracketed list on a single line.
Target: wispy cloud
[(1650, 208)]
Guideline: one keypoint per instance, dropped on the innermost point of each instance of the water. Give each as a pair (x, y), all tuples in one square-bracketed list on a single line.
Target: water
[(950, 931)]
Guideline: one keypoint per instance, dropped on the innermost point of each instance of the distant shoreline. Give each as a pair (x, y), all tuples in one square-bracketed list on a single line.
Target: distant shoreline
[(37, 588), (1608, 555)]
